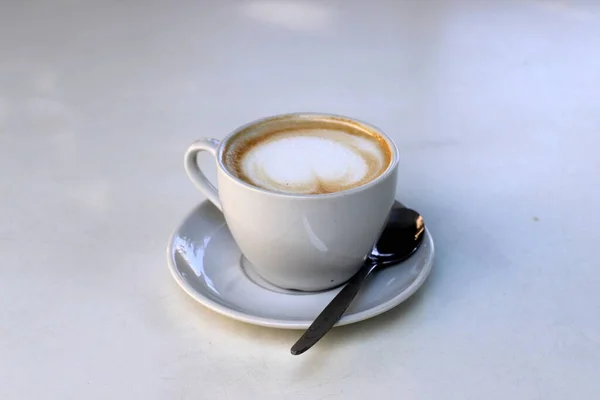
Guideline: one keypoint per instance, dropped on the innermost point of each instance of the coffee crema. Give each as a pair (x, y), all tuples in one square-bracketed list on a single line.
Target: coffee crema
[(308, 158)]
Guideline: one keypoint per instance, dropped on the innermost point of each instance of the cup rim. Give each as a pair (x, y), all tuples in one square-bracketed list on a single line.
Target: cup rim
[(391, 167)]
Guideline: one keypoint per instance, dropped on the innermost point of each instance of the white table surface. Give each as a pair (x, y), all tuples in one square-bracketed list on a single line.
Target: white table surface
[(495, 106)]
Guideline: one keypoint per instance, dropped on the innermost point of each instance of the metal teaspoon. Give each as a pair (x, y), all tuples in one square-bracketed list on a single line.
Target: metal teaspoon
[(401, 237)]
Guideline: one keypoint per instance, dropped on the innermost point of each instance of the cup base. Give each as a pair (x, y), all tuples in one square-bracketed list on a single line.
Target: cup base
[(250, 271)]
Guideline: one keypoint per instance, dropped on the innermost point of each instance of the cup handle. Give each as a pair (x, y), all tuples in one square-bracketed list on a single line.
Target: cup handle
[(194, 172)]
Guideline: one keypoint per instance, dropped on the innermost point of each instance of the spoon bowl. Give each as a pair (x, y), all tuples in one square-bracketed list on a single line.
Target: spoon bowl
[(400, 238)]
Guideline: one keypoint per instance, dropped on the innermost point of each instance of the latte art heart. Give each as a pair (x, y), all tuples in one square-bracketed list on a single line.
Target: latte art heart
[(311, 161), (304, 164)]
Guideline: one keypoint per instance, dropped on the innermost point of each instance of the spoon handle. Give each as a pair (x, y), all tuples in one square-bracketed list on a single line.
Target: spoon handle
[(334, 310)]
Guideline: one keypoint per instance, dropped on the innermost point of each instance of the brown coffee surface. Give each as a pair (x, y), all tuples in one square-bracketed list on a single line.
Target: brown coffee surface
[(307, 157)]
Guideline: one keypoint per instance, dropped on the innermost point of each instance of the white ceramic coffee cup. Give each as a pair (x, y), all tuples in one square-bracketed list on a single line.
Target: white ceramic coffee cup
[(297, 241)]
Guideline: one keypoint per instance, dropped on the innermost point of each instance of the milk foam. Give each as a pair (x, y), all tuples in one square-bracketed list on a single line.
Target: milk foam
[(313, 161)]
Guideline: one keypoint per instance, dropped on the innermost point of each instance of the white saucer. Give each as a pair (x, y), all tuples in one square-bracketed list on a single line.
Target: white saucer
[(208, 265)]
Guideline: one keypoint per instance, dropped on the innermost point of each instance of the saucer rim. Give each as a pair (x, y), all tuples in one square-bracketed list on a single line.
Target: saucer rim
[(287, 324)]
